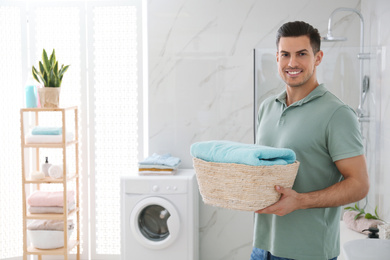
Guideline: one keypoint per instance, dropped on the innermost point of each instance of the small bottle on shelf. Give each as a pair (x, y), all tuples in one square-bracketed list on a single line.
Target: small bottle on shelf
[(46, 166)]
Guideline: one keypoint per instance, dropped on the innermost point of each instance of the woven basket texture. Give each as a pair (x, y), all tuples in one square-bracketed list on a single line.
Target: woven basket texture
[(242, 187)]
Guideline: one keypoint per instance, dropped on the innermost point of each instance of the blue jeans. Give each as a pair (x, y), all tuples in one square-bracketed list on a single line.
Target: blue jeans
[(260, 254)]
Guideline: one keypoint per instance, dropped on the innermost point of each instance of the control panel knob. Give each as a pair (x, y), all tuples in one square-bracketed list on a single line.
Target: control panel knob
[(155, 188)]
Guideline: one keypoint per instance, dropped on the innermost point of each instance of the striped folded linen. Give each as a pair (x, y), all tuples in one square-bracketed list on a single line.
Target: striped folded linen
[(221, 151)]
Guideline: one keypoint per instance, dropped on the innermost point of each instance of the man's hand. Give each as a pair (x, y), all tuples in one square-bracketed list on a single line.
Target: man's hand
[(354, 187), (289, 201)]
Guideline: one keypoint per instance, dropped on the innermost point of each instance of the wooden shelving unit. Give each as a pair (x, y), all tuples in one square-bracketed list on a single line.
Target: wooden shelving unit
[(26, 180)]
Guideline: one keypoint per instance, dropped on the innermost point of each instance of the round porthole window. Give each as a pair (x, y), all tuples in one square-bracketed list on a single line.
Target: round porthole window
[(155, 222), (152, 222)]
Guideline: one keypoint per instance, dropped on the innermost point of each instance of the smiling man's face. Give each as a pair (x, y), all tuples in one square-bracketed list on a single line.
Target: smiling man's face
[(297, 62)]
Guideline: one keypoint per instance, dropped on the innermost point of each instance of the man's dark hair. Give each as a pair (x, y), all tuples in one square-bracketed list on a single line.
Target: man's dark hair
[(299, 28)]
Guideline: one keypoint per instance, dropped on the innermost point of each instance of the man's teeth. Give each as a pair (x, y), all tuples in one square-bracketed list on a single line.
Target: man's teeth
[(294, 72)]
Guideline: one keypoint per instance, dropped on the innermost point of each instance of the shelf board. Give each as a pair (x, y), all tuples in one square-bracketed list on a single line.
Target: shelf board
[(50, 179), (58, 251), (47, 109), (49, 145), (58, 216)]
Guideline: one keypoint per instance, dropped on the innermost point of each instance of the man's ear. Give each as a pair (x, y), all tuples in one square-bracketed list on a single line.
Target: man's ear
[(277, 56), (318, 57)]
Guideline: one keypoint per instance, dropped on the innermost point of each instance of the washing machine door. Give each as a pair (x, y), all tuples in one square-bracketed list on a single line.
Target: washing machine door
[(155, 222)]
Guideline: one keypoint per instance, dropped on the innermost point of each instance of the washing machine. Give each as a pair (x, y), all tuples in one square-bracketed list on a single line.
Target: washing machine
[(160, 217)]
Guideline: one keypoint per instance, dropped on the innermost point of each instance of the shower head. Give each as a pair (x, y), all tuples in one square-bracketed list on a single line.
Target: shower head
[(330, 38)]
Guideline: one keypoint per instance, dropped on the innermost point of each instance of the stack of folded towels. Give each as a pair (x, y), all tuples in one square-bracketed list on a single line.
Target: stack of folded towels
[(249, 154), (46, 202), (47, 134), (159, 165)]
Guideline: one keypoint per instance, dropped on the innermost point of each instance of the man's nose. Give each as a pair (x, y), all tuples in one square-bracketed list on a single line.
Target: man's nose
[(293, 61)]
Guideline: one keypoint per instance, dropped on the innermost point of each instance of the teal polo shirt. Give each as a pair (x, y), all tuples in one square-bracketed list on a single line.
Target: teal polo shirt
[(321, 129)]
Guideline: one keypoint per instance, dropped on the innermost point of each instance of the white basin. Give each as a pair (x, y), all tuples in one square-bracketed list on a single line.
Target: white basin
[(367, 249)]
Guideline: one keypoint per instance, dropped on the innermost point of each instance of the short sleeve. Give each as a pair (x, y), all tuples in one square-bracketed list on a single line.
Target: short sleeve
[(344, 138)]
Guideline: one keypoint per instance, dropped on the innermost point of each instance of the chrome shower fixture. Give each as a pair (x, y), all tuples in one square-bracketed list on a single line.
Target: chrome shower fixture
[(364, 80), (329, 36)]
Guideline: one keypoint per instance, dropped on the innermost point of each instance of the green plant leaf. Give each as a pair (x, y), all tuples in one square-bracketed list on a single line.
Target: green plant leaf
[(35, 74), (46, 62), (46, 79), (357, 216), (369, 216), (55, 69), (41, 68), (52, 79), (63, 70), (53, 58)]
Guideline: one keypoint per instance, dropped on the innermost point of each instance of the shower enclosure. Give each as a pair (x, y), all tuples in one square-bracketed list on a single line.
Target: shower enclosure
[(340, 72)]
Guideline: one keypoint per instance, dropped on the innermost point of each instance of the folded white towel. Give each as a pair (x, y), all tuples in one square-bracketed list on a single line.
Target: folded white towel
[(44, 210), (47, 139), (56, 171)]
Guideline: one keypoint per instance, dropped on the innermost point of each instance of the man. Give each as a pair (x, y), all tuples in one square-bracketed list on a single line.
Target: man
[(325, 135)]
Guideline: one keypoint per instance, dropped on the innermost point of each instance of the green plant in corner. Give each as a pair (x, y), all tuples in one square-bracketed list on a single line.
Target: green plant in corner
[(49, 75), (361, 212)]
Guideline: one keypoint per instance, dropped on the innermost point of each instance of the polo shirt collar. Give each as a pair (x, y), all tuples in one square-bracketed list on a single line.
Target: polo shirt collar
[(319, 91)]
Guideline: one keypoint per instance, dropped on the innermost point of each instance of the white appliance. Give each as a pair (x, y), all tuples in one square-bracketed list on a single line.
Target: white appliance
[(160, 217)]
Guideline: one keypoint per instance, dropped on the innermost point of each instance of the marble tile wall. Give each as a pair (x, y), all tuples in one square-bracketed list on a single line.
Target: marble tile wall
[(201, 76)]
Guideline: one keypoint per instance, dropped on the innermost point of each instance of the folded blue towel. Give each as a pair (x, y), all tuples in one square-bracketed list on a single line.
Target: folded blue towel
[(249, 154), (46, 130), (165, 159)]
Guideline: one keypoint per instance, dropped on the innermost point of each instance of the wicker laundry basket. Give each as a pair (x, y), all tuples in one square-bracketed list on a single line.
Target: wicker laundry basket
[(242, 187)]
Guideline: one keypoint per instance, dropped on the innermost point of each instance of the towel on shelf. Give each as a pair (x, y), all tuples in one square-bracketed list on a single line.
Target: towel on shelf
[(57, 171), (249, 154), (46, 130), (49, 224), (48, 210), (164, 159), (50, 198), (360, 223), (47, 139), (155, 171)]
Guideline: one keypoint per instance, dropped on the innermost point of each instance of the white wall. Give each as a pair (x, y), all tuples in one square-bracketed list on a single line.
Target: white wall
[(201, 85)]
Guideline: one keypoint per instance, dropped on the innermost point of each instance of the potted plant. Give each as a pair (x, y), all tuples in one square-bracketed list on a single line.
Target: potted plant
[(50, 76)]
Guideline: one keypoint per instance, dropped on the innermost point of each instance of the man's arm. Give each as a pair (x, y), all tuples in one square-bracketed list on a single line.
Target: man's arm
[(354, 187)]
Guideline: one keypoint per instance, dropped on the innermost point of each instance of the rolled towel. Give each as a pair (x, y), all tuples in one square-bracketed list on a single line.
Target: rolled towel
[(249, 154), (56, 171), (360, 223)]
